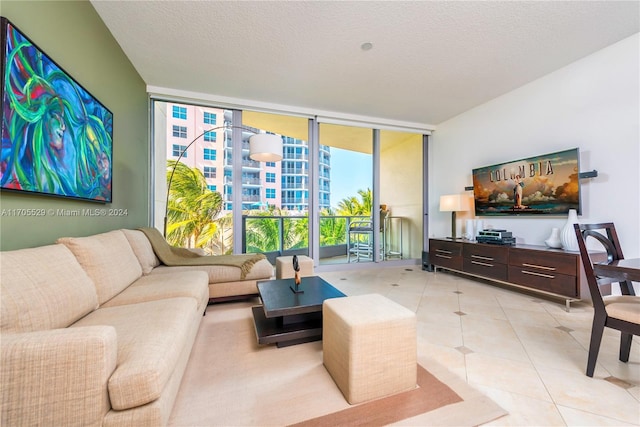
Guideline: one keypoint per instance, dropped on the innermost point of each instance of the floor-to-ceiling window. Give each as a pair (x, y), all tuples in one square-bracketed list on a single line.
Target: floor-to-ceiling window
[(192, 153), (280, 224), (359, 187)]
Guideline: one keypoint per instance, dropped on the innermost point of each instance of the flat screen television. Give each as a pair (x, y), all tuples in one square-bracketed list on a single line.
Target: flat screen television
[(57, 139), (542, 185)]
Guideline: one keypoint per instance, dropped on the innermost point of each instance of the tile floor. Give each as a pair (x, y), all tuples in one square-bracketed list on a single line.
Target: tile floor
[(528, 354)]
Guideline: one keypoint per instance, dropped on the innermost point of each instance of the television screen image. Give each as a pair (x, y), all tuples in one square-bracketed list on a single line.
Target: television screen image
[(543, 185), (57, 139)]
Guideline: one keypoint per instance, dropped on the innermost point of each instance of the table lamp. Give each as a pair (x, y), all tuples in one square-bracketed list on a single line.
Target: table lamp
[(454, 203)]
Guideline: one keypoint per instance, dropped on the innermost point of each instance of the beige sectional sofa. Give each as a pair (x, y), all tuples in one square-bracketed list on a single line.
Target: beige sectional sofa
[(95, 332), (225, 282)]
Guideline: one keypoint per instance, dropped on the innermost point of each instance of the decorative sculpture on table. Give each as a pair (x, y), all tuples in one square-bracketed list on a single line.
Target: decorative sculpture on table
[(296, 276)]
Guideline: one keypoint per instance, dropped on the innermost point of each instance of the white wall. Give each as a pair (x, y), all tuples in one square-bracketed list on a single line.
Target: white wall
[(592, 104)]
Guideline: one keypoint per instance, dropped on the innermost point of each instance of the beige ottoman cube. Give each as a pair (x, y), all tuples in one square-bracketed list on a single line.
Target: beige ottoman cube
[(284, 266), (369, 346)]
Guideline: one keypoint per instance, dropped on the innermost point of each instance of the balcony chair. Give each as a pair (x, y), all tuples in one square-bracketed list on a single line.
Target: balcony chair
[(620, 312), (360, 240)]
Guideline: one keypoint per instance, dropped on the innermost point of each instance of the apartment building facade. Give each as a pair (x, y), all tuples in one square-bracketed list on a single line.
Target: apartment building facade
[(284, 185)]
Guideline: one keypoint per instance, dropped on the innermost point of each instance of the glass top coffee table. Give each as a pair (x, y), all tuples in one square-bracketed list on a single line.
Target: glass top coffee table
[(287, 318)]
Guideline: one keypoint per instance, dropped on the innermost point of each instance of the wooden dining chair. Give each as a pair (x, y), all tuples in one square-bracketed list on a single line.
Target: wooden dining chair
[(618, 312)]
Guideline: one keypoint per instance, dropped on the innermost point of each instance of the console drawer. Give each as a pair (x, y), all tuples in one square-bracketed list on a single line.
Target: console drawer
[(446, 254), (547, 281), (485, 268), (445, 248), (544, 262), (486, 253)]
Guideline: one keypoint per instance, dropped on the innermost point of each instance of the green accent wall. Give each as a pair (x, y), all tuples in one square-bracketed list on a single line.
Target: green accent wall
[(73, 35)]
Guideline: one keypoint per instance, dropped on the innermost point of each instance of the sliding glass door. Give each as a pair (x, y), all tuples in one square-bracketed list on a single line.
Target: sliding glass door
[(346, 195)]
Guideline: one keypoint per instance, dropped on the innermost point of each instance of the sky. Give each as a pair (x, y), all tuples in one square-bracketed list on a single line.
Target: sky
[(350, 171)]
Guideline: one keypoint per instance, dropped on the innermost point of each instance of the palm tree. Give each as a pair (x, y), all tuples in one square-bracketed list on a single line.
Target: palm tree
[(333, 230), (296, 232), (263, 235), (222, 242), (192, 207), (351, 206)]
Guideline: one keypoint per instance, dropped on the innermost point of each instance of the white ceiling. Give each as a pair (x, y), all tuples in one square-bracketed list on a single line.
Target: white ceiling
[(430, 61)]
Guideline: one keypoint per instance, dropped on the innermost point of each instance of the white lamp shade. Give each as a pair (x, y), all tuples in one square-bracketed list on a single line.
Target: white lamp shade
[(455, 203), (264, 147)]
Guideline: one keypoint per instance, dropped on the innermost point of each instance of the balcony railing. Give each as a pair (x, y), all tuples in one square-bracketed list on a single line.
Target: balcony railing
[(294, 200), (278, 235), (252, 181), (245, 163), (294, 171)]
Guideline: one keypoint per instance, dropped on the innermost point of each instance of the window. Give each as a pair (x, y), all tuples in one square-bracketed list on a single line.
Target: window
[(210, 154), (271, 177), (271, 164), (210, 118), (209, 172), (271, 193), (179, 131), (210, 136), (179, 112), (212, 187), (177, 149)]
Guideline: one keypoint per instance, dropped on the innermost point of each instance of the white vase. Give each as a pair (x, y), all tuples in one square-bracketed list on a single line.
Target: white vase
[(554, 239), (469, 232), (568, 234), (479, 226)]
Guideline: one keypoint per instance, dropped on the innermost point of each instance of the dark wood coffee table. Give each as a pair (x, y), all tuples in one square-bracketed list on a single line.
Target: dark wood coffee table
[(287, 318)]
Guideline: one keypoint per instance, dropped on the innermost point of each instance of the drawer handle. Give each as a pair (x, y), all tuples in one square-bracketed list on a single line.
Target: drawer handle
[(482, 263), (542, 267), (533, 273), (442, 251), (486, 258), (443, 256)]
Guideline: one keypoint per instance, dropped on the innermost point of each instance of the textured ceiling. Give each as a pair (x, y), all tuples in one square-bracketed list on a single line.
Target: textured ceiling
[(430, 61)]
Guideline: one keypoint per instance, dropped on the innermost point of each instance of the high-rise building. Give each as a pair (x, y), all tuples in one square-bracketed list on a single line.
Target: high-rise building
[(283, 184)]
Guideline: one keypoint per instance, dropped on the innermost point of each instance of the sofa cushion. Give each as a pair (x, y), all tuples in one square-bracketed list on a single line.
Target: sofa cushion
[(143, 250), (151, 337), (108, 259), (43, 288), (191, 284)]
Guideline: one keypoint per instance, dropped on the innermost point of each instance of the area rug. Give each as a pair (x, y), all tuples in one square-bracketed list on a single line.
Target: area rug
[(232, 381)]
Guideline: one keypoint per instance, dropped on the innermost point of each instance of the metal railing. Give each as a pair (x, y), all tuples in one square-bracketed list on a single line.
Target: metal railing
[(278, 235)]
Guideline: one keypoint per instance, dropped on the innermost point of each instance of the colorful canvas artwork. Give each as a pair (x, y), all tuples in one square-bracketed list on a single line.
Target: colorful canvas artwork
[(56, 137)]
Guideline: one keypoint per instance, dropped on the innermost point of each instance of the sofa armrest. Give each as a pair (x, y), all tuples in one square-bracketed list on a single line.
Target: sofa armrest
[(57, 377)]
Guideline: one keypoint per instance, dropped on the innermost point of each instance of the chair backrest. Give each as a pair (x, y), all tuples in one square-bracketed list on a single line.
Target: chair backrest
[(605, 233), (361, 225)]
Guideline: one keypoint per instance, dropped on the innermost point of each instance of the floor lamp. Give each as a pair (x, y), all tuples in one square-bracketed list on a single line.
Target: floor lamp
[(263, 147), (454, 203)]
